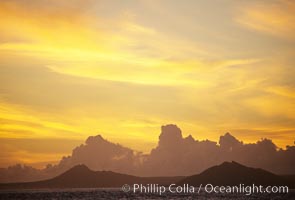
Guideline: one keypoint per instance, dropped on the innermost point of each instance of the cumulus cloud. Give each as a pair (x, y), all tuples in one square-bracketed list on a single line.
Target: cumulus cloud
[(100, 154), (174, 155)]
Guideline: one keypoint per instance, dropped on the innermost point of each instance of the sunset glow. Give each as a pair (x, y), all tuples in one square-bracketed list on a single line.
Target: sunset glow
[(71, 69)]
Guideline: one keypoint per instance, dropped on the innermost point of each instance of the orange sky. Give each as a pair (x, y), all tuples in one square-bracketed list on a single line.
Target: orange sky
[(70, 69)]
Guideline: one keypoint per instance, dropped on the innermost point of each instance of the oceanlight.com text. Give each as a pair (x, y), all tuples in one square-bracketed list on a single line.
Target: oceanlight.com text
[(207, 188)]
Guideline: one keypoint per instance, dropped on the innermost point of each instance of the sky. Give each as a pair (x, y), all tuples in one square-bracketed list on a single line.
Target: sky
[(71, 69)]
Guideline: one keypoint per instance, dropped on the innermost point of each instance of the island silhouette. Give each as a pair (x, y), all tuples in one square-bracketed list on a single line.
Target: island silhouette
[(226, 174)]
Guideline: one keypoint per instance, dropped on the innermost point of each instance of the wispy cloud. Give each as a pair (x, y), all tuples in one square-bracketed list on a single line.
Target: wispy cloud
[(74, 68), (274, 18)]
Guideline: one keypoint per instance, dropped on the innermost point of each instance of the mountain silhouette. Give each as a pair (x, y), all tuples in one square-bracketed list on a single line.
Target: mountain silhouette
[(233, 173), (227, 174), (80, 176)]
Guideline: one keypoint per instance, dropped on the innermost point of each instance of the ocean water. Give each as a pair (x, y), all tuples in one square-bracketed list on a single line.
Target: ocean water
[(117, 193)]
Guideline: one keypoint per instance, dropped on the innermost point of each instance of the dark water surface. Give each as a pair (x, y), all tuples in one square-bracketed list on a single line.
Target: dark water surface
[(116, 193)]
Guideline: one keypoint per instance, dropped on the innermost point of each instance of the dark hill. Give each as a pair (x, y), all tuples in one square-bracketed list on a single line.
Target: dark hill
[(233, 173), (81, 176), (226, 174)]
